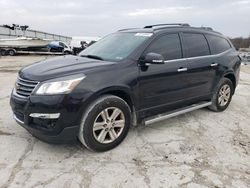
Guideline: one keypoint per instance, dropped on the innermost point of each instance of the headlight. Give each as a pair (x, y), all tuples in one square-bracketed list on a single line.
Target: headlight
[(58, 87)]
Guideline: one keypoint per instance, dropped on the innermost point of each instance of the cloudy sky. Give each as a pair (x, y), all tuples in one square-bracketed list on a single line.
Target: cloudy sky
[(101, 17)]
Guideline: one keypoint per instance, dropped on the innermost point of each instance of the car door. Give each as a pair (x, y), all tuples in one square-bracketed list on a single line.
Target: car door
[(161, 85), (61, 47), (202, 67)]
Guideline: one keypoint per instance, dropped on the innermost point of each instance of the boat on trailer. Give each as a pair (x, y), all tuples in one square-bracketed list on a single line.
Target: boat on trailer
[(23, 42)]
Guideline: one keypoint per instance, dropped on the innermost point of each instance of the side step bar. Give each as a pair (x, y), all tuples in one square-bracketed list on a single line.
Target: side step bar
[(177, 112)]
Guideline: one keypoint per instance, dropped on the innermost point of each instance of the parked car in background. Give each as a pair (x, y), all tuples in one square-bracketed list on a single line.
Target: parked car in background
[(131, 77), (59, 46), (78, 44)]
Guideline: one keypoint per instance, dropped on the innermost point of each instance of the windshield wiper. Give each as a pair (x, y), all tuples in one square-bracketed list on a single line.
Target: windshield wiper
[(92, 57)]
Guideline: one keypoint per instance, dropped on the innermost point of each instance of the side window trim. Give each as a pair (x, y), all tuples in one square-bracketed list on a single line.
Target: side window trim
[(184, 53), (209, 47), (199, 57), (161, 35), (182, 46), (213, 55)]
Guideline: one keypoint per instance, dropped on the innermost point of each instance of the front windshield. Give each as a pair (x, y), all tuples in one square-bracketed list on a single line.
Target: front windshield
[(115, 47)]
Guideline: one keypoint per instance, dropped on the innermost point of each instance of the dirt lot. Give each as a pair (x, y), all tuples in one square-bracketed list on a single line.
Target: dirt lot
[(198, 149)]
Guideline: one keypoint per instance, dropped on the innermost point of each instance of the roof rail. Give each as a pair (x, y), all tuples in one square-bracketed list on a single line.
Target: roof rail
[(127, 29), (170, 24), (207, 28)]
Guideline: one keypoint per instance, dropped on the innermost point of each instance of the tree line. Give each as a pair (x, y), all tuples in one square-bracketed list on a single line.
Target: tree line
[(241, 42)]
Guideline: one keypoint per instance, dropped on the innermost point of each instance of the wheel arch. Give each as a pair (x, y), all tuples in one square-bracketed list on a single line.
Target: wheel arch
[(231, 77), (122, 92)]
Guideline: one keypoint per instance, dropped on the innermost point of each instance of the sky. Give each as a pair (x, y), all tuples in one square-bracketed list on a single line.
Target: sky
[(101, 17)]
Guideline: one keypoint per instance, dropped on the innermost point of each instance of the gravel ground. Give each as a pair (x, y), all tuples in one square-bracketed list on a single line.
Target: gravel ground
[(197, 149)]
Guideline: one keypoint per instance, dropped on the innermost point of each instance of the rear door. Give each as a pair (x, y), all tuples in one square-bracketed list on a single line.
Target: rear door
[(202, 69), (220, 48)]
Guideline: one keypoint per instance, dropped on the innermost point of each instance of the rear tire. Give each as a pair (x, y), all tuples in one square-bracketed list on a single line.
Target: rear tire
[(11, 52), (223, 95), (105, 123)]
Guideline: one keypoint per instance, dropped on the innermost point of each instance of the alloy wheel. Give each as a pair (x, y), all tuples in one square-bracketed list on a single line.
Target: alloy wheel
[(224, 95), (108, 125)]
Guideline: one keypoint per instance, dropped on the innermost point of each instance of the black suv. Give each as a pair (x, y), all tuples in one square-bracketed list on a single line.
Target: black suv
[(131, 77)]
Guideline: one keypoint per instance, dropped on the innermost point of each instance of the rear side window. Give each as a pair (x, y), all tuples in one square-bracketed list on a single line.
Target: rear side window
[(168, 45), (218, 44), (195, 45)]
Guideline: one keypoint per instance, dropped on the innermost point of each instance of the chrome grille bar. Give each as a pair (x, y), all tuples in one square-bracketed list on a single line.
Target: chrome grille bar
[(24, 87), (25, 84)]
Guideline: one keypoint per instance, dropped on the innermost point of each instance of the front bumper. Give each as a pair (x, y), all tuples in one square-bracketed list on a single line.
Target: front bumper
[(67, 135), (59, 129)]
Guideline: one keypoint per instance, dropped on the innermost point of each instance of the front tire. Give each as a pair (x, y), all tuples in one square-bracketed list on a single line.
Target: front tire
[(11, 52), (66, 53), (222, 96), (105, 123)]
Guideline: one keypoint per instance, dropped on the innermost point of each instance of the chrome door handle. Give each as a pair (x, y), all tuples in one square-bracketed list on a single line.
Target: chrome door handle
[(214, 64), (182, 69)]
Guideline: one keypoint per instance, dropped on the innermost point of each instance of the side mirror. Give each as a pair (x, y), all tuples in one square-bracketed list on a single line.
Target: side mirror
[(153, 58)]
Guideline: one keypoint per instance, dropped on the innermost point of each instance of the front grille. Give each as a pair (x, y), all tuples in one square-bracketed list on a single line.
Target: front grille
[(24, 87)]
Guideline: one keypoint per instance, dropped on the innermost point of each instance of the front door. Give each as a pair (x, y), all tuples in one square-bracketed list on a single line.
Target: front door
[(162, 85)]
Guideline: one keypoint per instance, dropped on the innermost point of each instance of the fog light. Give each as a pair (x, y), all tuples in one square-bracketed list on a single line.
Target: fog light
[(45, 116)]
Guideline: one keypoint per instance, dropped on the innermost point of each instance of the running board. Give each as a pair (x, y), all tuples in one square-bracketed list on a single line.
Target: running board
[(177, 112)]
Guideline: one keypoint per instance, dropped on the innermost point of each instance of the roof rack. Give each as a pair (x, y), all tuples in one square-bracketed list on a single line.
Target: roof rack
[(170, 24), (127, 29), (207, 28)]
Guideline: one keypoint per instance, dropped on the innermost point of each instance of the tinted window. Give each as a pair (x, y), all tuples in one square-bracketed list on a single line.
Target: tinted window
[(217, 44), (195, 45), (168, 45)]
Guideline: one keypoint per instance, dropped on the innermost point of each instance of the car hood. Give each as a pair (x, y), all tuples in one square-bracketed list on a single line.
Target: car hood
[(61, 66)]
